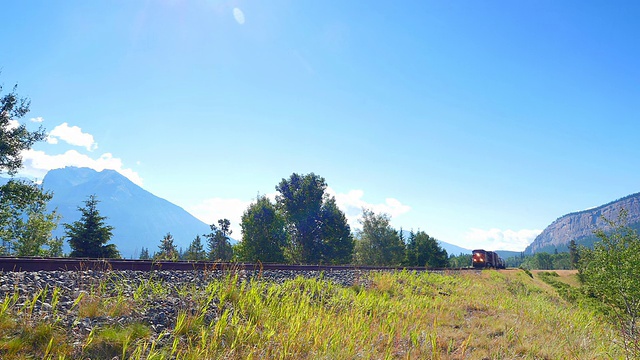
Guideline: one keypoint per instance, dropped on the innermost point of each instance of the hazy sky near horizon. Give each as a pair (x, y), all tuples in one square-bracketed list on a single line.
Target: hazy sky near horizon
[(479, 122)]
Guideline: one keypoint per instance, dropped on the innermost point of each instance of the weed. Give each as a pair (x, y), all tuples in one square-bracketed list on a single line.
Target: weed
[(111, 342), (386, 315), (526, 271)]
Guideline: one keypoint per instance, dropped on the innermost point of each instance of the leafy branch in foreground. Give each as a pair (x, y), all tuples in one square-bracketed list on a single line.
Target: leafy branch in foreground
[(25, 224), (610, 272)]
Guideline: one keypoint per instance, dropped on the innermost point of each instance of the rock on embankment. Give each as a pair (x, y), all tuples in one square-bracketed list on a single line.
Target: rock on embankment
[(158, 312)]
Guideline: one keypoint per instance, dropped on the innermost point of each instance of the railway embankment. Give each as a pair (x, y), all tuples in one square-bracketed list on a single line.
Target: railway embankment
[(239, 314)]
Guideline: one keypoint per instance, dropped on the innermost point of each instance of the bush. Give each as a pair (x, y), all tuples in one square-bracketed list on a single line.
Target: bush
[(609, 273)]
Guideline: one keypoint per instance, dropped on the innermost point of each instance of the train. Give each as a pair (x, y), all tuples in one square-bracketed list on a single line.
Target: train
[(487, 259)]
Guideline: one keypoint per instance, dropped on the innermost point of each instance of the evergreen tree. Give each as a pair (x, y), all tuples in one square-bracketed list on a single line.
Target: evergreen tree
[(144, 254), (196, 250), (574, 254), (423, 250), (88, 237), (168, 250), (411, 253), (218, 241)]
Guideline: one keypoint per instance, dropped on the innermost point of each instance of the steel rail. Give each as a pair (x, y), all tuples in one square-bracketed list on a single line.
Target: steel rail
[(28, 264)]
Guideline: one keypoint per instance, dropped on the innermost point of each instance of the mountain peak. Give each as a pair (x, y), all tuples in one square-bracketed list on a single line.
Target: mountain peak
[(140, 219), (70, 175)]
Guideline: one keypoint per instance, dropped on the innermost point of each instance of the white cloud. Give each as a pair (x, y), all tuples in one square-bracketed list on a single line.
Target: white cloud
[(351, 203), (38, 119), (496, 239), (38, 163), (72, 135)]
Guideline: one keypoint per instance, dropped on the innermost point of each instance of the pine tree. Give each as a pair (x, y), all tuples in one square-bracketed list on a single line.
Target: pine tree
[(168, 250), (144, 254), (218, 241), (195, 250), (88, 236), (574, 254)]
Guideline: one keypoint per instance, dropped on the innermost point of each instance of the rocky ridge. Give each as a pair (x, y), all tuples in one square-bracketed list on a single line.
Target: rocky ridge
[(580, 226)]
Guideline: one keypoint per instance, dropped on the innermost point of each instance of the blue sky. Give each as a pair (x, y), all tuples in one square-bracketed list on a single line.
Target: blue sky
[(479, 122)]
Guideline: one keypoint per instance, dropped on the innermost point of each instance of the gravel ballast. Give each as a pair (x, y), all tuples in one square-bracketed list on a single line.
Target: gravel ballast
[(157, 312)]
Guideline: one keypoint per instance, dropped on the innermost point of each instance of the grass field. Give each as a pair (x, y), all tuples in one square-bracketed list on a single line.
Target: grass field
[(476, 315)]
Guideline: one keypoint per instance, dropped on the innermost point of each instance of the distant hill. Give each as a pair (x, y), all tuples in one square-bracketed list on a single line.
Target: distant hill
[(450, 248), (140, 219), (579, 226), (505, 254), (453, 249)]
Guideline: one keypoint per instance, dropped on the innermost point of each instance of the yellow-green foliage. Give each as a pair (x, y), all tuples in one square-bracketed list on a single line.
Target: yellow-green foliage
[(402, 315), (111, 342), (399, 315)]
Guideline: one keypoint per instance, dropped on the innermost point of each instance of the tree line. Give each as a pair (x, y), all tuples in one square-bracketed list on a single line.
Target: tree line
[(304, 224)]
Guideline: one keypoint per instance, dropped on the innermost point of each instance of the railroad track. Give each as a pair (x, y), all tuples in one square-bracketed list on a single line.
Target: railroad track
[(8, 264)]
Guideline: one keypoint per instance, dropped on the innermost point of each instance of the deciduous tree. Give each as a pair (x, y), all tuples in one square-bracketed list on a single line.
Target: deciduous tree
[(315, 226), (25, 224), (377, 243), (24, 220), (610, 273), (263, 233), (36, 239), (460, 260), (338, 243), (15, 137)]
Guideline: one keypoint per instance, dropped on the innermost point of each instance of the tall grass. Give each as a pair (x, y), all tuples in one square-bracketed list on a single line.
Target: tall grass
[(401, 315)]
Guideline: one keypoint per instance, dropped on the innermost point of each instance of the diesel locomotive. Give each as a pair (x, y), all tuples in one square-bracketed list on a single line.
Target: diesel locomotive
[(487, 259)]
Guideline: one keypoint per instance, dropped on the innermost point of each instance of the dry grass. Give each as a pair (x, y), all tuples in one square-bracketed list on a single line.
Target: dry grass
[(569, 277), (479, 315)]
